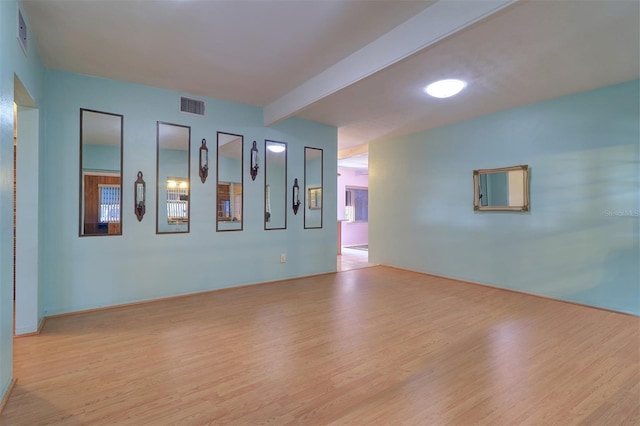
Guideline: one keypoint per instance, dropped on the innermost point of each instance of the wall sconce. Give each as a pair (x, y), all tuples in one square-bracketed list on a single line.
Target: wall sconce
[(140, 189), (204, 161), (254, 161), (296, 196)]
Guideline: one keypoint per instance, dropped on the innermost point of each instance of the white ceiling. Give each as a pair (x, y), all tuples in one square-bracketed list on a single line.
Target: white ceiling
[(359, 65), (528, 53), (173, 137), (228, 149), (356, 162), (101, 129), (250, 52)]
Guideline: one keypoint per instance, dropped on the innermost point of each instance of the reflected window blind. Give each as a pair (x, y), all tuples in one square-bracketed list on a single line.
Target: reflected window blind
[(177, 200), (357, 204), (109, 204)]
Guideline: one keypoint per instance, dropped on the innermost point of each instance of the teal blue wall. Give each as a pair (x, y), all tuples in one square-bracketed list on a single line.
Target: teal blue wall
[(230, 169), (29, 70), (578, 243), (101, 158), (91, 272), (498, 189)]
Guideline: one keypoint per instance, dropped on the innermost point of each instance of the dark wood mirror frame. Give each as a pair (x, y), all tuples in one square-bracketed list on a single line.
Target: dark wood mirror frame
[(312, 187), (187, 201), (268, 191), (224, 191), (90, 224)]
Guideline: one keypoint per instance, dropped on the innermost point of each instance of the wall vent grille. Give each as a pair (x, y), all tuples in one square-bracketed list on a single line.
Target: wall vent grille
[(191, 106)]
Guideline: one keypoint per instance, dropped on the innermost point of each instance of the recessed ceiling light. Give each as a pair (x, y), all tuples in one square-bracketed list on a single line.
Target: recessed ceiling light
[(445, 88), (276, 148)]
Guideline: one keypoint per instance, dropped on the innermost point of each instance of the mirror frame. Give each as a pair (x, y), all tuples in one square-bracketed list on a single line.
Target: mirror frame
[(81, 223), (158, 232), (286, 188), (218, 179), (306, 188), (525, 188)]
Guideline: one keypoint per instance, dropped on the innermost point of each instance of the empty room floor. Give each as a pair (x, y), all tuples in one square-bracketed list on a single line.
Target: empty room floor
[(353, 259), (372, 346)]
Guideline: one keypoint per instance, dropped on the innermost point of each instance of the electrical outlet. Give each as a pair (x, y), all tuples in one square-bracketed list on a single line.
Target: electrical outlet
[(283, 258)]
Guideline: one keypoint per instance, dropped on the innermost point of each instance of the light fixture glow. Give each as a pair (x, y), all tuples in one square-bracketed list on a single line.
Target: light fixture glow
[(445, 88), (276, 148)]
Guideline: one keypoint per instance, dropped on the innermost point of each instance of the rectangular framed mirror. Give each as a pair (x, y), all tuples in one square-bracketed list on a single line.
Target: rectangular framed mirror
[(313, 187), (229, 182), (503, 189), (173, 169), (100, 173), (275, 185)]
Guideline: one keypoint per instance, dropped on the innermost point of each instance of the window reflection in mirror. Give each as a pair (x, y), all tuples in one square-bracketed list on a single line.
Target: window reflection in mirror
[(172, 183), (229, 193), (100, 173), (502, 189), (275, 185), (313, 188)]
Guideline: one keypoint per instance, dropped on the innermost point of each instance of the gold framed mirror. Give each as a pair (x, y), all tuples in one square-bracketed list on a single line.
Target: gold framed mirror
[(502, 189)]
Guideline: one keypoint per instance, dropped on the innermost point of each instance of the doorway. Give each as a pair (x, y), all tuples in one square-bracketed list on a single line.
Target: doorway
[(353, 212), (26, 210)]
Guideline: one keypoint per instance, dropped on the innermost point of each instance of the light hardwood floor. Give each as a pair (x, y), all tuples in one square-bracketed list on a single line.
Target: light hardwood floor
[(373, 346)]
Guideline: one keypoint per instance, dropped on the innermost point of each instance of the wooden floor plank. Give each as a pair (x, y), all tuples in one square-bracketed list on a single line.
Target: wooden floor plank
[(368, 346)]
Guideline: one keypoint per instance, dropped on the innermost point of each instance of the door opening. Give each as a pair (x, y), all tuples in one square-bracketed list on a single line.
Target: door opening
[(26, 210), (15, 140), (353, 212)]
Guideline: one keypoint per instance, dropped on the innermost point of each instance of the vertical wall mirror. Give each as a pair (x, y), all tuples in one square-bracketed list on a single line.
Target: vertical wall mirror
[(172, 179), (275, 185), (229, 198), (100, 173), (312, 188), (505, 189)]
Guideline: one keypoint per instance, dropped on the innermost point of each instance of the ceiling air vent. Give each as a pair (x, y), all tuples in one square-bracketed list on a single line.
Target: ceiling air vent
[(191, 106)]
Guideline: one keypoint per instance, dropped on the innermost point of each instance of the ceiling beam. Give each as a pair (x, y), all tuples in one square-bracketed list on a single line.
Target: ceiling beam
[(352, 151), (434, 23)]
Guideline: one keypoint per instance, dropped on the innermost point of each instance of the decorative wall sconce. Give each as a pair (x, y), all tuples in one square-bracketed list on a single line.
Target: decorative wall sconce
[(204, 161), (140, 194), (254, 161), (296, 196)]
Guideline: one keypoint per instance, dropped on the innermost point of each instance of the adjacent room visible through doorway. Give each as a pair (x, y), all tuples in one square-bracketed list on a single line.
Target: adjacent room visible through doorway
[(353, 212)]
